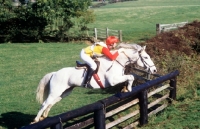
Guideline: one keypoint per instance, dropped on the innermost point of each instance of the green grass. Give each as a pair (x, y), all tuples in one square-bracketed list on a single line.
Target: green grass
[(182, 115), (23, 65), (21, 68), (138, 19)]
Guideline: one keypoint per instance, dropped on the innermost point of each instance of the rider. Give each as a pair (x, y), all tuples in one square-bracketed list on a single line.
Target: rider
[(99, 49)]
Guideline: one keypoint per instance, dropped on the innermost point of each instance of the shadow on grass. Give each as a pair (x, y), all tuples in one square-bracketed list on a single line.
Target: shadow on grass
[(15, 120)]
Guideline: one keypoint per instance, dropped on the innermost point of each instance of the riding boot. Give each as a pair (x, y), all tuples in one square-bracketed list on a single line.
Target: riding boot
[(89, 76), (96, 77)]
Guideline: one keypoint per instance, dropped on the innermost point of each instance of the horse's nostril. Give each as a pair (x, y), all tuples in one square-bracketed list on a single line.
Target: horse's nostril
[(155, 71)]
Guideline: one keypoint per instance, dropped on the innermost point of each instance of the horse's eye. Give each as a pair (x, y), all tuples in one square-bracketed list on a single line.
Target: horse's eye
[(145, 57)]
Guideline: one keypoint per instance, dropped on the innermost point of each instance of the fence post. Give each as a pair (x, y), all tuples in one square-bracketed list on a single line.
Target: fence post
[(120, 35), (57, 126), (172, 93), (107, 33), (95, 33), (100, 118), (143, 102), (158, 28)]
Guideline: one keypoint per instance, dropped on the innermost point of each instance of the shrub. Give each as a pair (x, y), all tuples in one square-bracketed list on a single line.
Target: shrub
[(178, 50), (33, 21)]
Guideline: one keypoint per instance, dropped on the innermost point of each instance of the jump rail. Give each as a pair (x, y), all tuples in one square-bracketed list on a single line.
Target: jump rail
[(166, 27), (99, 108), (102, 34)]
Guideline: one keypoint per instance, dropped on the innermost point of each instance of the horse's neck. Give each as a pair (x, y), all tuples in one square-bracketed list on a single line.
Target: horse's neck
[(105, 62), (121, 61), (107, 65)]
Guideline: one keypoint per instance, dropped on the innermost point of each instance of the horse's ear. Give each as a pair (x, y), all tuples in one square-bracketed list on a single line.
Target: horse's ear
[(144, 47)]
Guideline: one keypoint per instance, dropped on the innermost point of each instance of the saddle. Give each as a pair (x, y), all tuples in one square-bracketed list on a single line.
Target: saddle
[(80, 65)]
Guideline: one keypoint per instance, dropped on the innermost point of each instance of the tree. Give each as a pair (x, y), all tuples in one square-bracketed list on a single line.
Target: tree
[(33, 20), (63, 13)]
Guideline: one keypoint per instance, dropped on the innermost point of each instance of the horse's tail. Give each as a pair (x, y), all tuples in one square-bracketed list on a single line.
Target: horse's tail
[(43, 88)]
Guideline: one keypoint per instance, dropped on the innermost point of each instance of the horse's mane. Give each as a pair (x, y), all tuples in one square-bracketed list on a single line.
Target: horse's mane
[(129, 46), (135, 47)]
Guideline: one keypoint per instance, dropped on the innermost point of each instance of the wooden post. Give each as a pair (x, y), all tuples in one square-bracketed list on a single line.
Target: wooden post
[(95, 33), (107, 32), (172, 93), (148, 75), (143, 102), (99, 119), (57, 126), (158, 29), (120, 35)]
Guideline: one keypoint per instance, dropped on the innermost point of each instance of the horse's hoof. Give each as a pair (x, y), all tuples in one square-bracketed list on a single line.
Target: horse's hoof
[(42, 118), (34, 122), (124, 90)]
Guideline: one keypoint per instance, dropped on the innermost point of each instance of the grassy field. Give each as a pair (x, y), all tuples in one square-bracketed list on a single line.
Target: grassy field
[(23, 65), (138, 19)]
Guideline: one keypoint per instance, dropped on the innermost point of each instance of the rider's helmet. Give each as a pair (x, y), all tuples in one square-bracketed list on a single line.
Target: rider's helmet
[(111, 40)]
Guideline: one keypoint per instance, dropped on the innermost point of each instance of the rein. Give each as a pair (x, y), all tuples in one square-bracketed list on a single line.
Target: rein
[(128, 59), (120, 63), (144, 62)]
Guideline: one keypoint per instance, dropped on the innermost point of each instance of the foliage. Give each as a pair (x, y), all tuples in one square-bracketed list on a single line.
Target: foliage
[(79, 31), (29, 22), (178, 49), (24, 23), (66, 11)]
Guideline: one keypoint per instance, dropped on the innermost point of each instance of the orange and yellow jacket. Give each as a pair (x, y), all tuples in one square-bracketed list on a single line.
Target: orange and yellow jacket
[(100, 49)]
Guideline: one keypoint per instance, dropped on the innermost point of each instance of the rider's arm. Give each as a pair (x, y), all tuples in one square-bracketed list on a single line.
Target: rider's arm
[(107, 53)]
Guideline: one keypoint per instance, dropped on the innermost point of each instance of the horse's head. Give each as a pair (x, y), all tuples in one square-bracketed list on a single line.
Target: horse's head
[(137, 54), (145, 61)]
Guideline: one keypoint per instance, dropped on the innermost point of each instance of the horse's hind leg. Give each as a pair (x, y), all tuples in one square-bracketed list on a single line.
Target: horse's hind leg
[(46, 103), (37, 118), (64, 94), (46, 112)]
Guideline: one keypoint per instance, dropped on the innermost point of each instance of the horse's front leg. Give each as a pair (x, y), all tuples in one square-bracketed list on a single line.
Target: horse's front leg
[(116, 79)]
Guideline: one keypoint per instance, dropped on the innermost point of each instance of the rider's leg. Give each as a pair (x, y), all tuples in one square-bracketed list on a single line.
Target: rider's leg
[(89, 75), (90, 62), (96, 77)]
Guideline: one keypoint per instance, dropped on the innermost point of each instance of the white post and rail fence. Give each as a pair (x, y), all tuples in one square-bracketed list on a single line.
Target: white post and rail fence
[(167, 27), (102, 34)]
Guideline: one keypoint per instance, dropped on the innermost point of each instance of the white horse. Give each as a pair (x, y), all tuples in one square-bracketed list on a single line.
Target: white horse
[(56, 85)]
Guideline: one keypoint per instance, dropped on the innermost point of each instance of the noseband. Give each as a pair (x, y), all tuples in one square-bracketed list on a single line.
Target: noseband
[(145, 63)]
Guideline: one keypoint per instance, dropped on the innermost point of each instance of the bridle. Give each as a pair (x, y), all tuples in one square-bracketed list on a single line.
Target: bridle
[(144, 62), (140, 57), (119, 62), (129, 60)]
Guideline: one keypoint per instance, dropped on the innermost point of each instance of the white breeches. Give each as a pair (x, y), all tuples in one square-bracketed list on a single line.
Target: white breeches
[(88, 60)]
